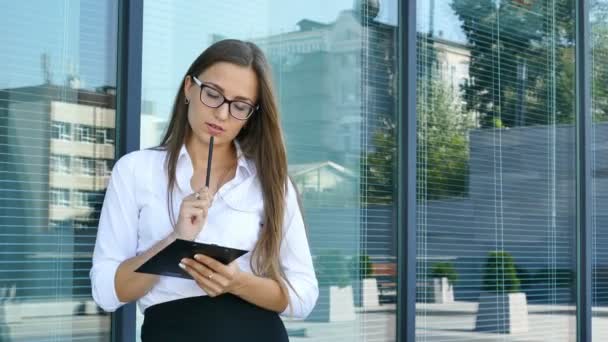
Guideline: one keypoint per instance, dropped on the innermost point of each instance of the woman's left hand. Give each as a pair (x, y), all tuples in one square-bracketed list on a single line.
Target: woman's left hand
[(212, 276)]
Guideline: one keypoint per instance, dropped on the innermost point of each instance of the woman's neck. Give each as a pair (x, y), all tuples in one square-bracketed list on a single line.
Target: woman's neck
[(224, 155)]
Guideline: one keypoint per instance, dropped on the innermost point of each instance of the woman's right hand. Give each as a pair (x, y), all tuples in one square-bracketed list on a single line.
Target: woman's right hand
[(193, 214)]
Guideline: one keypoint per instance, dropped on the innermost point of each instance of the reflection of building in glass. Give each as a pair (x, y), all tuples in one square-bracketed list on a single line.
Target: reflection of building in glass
[(81, 153), (318, 72), (325, 183), (337, 88), (59, 147), (453, 61)]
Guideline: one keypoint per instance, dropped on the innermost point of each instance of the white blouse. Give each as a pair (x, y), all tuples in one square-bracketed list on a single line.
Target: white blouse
[(134, 217)]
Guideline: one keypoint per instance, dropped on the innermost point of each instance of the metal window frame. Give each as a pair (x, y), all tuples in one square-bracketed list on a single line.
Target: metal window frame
[(584, 300), (128, 108), (406, 179)]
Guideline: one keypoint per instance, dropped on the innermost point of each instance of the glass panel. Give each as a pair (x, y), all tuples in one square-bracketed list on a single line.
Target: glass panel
[(334, 67), (57, 80), (599, 165), (496, 171)]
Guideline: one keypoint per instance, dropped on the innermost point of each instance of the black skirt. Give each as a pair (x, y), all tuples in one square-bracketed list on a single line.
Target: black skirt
[(226, 318)]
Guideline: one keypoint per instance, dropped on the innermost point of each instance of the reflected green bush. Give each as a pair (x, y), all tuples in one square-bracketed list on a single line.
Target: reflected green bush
[(444, 270), (360, 267), (499, 274), (332, 269)]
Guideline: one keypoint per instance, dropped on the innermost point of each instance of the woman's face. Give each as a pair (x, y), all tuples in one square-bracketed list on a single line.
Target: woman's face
[(234, 83)]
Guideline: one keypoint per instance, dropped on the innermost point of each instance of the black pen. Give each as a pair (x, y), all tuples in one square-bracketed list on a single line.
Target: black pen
[(210, 155)]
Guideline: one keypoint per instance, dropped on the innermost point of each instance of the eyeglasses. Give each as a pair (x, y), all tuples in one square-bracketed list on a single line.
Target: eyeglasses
[(211, 97)]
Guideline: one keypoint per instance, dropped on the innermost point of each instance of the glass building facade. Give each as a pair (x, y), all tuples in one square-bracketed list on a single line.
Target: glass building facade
[(451, 157)]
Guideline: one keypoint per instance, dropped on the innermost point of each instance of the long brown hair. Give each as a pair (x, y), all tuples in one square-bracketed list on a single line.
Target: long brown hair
[(261, 140)]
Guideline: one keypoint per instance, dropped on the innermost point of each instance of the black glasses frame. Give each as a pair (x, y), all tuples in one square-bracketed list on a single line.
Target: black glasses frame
[(202, 85)]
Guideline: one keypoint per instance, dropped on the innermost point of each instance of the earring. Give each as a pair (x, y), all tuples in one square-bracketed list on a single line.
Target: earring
[(187, 100)]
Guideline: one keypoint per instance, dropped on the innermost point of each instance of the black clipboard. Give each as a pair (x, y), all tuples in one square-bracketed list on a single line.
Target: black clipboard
[(166, 262)]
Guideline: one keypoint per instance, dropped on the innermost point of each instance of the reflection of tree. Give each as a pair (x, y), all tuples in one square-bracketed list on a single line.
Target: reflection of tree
[(379, 166), (521, 60), (443, 149), (443, 146)]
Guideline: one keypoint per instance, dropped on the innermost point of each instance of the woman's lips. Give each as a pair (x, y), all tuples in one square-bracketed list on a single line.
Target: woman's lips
[(214, 129)]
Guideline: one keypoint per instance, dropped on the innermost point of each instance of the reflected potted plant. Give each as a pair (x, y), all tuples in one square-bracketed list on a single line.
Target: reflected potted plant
[(502, 306), (444, 276), (365, 286), (335, 301)]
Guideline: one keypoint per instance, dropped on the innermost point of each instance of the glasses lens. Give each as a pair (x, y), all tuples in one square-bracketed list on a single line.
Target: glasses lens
[(211, 97), (240, 110)]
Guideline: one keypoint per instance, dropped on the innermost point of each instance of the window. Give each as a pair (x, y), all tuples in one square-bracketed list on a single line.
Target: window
[(89, 166), (47, 46), (84, 133), (60, 164), (61, 130), (496, 219), (347, 175), (84, 166), (60, 197), (100, 135), (104, 136), (102, 168), (80, 199)]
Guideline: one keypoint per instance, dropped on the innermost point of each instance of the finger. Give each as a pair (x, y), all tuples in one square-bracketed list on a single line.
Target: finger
[(209, 288), (221, 281), (197, 210), (199, 218), (192, 212), (194, 200), (209, 274), (213, 264), (191, 197), (201, 269), (205, 193), (201, 204), (217, 281), (202, 272)]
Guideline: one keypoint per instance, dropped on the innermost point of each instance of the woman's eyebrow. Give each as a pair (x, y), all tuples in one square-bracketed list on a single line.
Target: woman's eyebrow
[(223, 91)]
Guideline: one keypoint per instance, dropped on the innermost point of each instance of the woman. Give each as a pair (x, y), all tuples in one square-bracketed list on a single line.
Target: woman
[(249, 204)]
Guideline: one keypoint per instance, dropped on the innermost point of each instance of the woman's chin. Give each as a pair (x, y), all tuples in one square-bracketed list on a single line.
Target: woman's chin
[(206, 138)]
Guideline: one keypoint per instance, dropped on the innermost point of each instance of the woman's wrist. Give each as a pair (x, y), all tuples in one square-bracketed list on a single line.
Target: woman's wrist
[(241, 280), (172, 237), (176, 235)]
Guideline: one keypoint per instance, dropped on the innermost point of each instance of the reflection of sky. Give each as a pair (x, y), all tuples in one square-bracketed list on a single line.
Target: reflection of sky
[(78, 36), (388, 12), (446, 22)]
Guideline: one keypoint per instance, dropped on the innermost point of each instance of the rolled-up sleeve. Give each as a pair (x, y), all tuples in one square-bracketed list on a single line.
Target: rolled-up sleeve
[(296, 261), (116, 235)]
